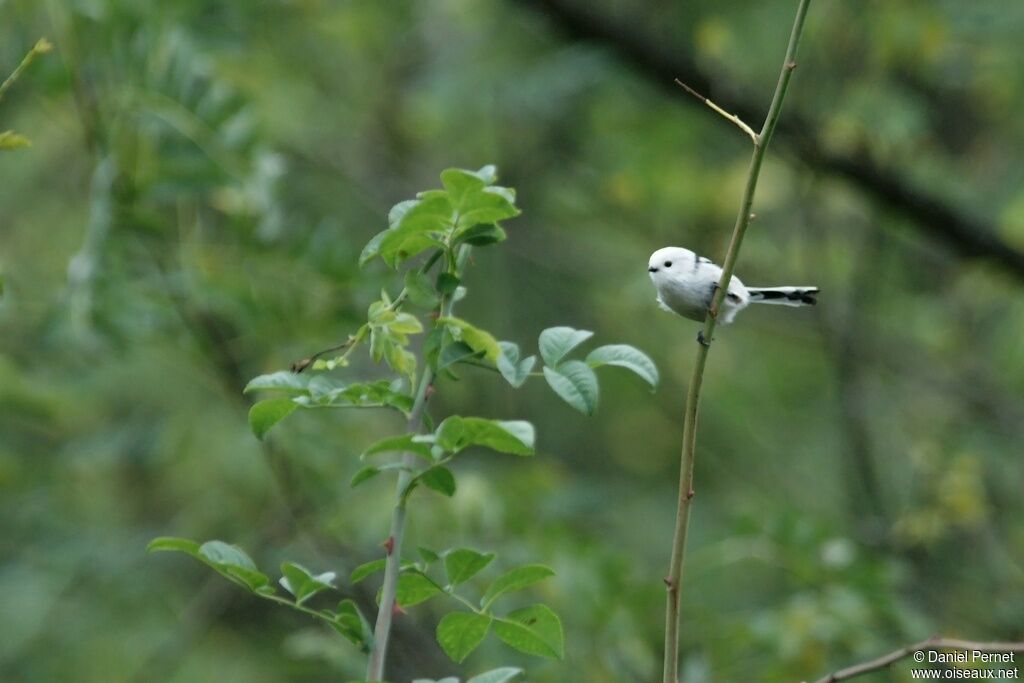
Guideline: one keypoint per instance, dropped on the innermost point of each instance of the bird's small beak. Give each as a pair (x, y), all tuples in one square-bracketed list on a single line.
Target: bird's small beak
[(652, 269)]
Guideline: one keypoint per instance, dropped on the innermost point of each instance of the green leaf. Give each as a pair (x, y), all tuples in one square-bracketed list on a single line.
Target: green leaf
[(234, 563), (456, 433), (419, 289), (455, 353), (404, 443), (534, 630), (351, 624), (502, 675), (447, 283), (576, 383), (625, 356), (439, 479), (366, 569), (490, 205), (371, 471), (488, 173), (447, 679), (475, 338), (230, 561), (461, 184), (364, 474), (266, 414), (463, 564), (514, 580), (428, 555), (414, 588), (301, 583), (284, 380), (406, 323), (515, 371), (399, 210), (372, 248), (555, 342), (328, 393), (459, 633), (483, 235), (181, 545), (11, 140), (418, 228)]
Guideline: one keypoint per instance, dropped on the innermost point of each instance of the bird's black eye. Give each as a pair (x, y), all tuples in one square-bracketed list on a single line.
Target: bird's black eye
[(668, 264)]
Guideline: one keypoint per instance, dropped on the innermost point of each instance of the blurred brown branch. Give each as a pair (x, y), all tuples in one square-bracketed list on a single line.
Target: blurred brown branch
[(970, 236), (934, 643)]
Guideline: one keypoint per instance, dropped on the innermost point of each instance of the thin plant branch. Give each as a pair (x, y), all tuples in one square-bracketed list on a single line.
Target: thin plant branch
[(41, 47), (673, 581), (731, 117), (935, 643), (393, 544)]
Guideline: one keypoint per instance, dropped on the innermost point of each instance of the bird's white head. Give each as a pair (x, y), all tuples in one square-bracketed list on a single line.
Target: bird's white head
[(669, 263)]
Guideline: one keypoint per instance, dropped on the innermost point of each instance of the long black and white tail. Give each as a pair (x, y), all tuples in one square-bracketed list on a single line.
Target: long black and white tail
[(785, 296)]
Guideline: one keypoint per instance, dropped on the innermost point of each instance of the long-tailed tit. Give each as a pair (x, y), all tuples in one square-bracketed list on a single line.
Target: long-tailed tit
[(686, 283)]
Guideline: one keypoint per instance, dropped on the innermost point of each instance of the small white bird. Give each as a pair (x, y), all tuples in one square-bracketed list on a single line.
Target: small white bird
[(686, 283)]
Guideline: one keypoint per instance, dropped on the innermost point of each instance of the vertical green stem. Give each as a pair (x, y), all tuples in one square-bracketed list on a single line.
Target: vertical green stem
[(673, 581), (386, 611)]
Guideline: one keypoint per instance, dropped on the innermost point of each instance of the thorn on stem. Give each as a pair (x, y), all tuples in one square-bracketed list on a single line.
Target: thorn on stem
[(389, 545), (690, 494), (753, 215), (790, 65), (397, 610), (668, 582), (430, 391)]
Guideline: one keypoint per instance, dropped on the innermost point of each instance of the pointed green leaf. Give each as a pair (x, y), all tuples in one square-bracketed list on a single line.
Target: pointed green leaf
[(483, 235), (367, 569), (181, 545), (475, 338), (456, 353), (463, 564), (420, 290), (515, 371), (514, 580), (301, 583), (233, 562), (372, 248), (439, 479), (506, 436), (266, 414), (459, 633), (576, 383), (414, 588), (405, 443), (625, 356), (406, 323), (534, 630), (284, 380), (350, 623), (555, 342), (460, 185)]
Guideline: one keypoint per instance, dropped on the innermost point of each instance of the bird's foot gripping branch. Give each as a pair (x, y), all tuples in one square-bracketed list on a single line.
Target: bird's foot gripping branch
[(431, 236)]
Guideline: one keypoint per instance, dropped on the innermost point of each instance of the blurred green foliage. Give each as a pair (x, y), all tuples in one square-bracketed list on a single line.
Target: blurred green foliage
[(202, 178)]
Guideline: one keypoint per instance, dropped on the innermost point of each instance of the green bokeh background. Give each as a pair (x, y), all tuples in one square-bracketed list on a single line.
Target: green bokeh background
[(203, 176)]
